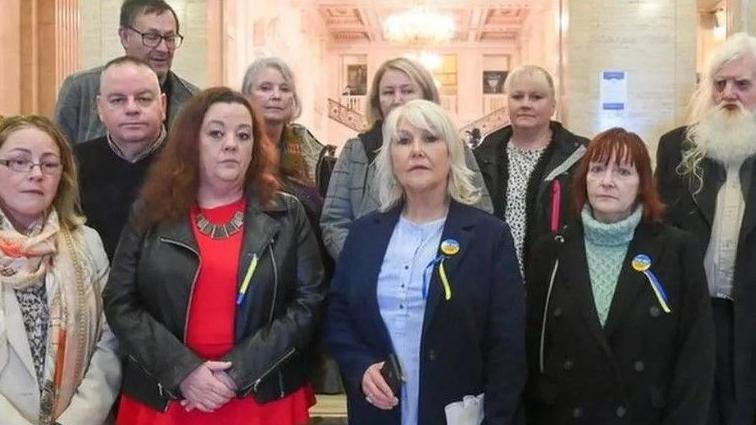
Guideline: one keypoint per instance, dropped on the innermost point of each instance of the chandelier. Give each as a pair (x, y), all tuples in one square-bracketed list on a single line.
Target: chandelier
[(419, 26)]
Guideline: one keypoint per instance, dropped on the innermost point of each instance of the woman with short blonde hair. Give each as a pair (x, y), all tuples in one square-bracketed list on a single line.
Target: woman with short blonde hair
[(427, 289), (429, 117)]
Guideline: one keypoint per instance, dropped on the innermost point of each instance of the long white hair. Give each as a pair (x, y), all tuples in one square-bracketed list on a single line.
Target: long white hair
[(702, 106)]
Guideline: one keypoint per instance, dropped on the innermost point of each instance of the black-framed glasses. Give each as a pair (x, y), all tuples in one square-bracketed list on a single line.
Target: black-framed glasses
[(22, 165), (152, 39)]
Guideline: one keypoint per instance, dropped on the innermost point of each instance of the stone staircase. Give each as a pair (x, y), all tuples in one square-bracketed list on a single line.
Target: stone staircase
[(488, 123), (347, 116), (329, 410)]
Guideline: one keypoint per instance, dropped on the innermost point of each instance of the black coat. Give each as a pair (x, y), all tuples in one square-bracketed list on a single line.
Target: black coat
[(473, 343), (645, 366), (694, 212), (551, 174), (150, 288)]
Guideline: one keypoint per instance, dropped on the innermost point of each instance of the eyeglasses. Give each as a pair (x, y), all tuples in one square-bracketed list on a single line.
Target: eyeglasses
[(51, 168), (152, 39)]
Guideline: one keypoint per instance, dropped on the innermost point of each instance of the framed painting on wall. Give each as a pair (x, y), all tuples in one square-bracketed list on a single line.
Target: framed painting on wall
[(357, 79), (493, 82)]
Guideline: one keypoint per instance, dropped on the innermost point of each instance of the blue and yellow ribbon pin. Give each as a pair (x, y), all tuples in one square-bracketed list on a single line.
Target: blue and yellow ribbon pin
[(247, 277), (642, 263), (449, 247)]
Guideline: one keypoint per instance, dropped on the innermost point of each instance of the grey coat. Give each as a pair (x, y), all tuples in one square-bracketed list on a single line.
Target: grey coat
[(352, 191), (76, 108)]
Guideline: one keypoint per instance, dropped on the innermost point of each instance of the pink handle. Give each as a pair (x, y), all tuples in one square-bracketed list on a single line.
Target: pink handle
[(556, 205)]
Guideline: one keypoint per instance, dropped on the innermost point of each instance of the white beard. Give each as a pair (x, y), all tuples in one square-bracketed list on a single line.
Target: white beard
[(728, 137)]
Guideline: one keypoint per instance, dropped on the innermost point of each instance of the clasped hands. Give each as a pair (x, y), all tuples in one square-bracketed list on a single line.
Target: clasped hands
[(208, 387)]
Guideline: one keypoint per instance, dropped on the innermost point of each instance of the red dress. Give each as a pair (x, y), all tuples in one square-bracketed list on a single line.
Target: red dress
[(210, 334)]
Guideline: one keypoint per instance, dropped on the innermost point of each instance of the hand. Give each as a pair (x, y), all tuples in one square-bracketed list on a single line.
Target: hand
[(377, 391), (202, 390), (222, 376)]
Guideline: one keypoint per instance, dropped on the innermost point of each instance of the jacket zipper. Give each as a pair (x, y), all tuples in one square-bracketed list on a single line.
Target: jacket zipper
[(162, 391), (272, 307), (275, 281), (272, 368), (194, 280), (289, 353)]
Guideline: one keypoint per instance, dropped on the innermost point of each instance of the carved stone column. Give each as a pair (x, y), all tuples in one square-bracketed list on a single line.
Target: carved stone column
[(49, 51)]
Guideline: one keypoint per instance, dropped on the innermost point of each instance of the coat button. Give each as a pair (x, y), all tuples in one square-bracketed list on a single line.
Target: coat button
[(654, 311), (577, 412), (431, 354), (567, 365), (557, 312), (639, 366), (621, 411)]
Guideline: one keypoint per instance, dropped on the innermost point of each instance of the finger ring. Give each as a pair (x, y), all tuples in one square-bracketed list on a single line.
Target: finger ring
[(368, 399)]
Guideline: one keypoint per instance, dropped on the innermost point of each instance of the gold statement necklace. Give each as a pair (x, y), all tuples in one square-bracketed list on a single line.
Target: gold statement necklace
[(219, 231)]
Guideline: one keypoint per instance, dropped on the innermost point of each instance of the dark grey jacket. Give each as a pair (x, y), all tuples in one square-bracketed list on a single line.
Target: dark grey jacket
[(76, 108), (150, 288)]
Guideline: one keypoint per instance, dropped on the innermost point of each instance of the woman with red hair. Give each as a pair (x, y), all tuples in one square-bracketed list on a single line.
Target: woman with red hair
[(215, 287), (618, 324)]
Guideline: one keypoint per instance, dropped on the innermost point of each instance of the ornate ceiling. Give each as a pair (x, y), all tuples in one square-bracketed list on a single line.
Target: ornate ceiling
[(361, 21)]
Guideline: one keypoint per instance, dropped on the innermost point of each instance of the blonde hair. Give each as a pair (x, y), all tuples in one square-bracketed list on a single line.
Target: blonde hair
[(66, 200), (533, 73), (702, 101), (416, 72), (428, 116)]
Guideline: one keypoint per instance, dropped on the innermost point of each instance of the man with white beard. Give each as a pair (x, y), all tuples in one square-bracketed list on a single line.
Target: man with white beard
[(706, 175)]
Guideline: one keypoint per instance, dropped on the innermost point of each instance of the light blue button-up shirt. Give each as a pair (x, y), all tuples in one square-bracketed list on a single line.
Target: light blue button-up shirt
[(400, 300)]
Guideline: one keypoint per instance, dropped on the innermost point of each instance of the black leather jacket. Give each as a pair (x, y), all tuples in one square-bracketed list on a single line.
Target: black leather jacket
[(150, 287)]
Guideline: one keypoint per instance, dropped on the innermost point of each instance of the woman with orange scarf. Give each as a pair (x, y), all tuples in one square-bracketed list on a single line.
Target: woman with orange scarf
[(57, 356)]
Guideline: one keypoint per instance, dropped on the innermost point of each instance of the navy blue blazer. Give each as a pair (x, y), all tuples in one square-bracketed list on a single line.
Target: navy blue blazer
[(473, 343)]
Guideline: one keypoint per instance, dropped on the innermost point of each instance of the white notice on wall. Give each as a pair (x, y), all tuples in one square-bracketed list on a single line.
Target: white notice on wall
[(613, 93)]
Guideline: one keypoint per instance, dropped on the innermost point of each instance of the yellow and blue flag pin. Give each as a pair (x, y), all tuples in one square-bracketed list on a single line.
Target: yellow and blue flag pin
[(642, 263), (448, 248)]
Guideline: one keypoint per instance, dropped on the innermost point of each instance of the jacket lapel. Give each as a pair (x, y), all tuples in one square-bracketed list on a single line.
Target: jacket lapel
[(578, 280), (706, 198), (631, 282), (749, 216), (259, 230), (14, 327), (457, 227)]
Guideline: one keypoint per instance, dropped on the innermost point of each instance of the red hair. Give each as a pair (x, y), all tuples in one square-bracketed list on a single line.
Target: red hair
[(170, 189), (626, 147)]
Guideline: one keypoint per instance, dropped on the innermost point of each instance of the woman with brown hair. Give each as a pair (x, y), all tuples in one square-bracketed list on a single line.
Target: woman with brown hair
[(58, 360), (216, 283), (618, 318)]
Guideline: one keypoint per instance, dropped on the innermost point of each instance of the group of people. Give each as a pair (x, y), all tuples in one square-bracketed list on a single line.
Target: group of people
[(166, 256)]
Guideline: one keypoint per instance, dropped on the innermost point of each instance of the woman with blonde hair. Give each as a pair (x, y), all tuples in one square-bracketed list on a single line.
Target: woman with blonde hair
[(352, 191), (426, 310), (527, 164), (57, 355)]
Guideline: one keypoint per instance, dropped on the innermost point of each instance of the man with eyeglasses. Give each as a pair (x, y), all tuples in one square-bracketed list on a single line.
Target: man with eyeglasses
[(149, 31), (112, 167)]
